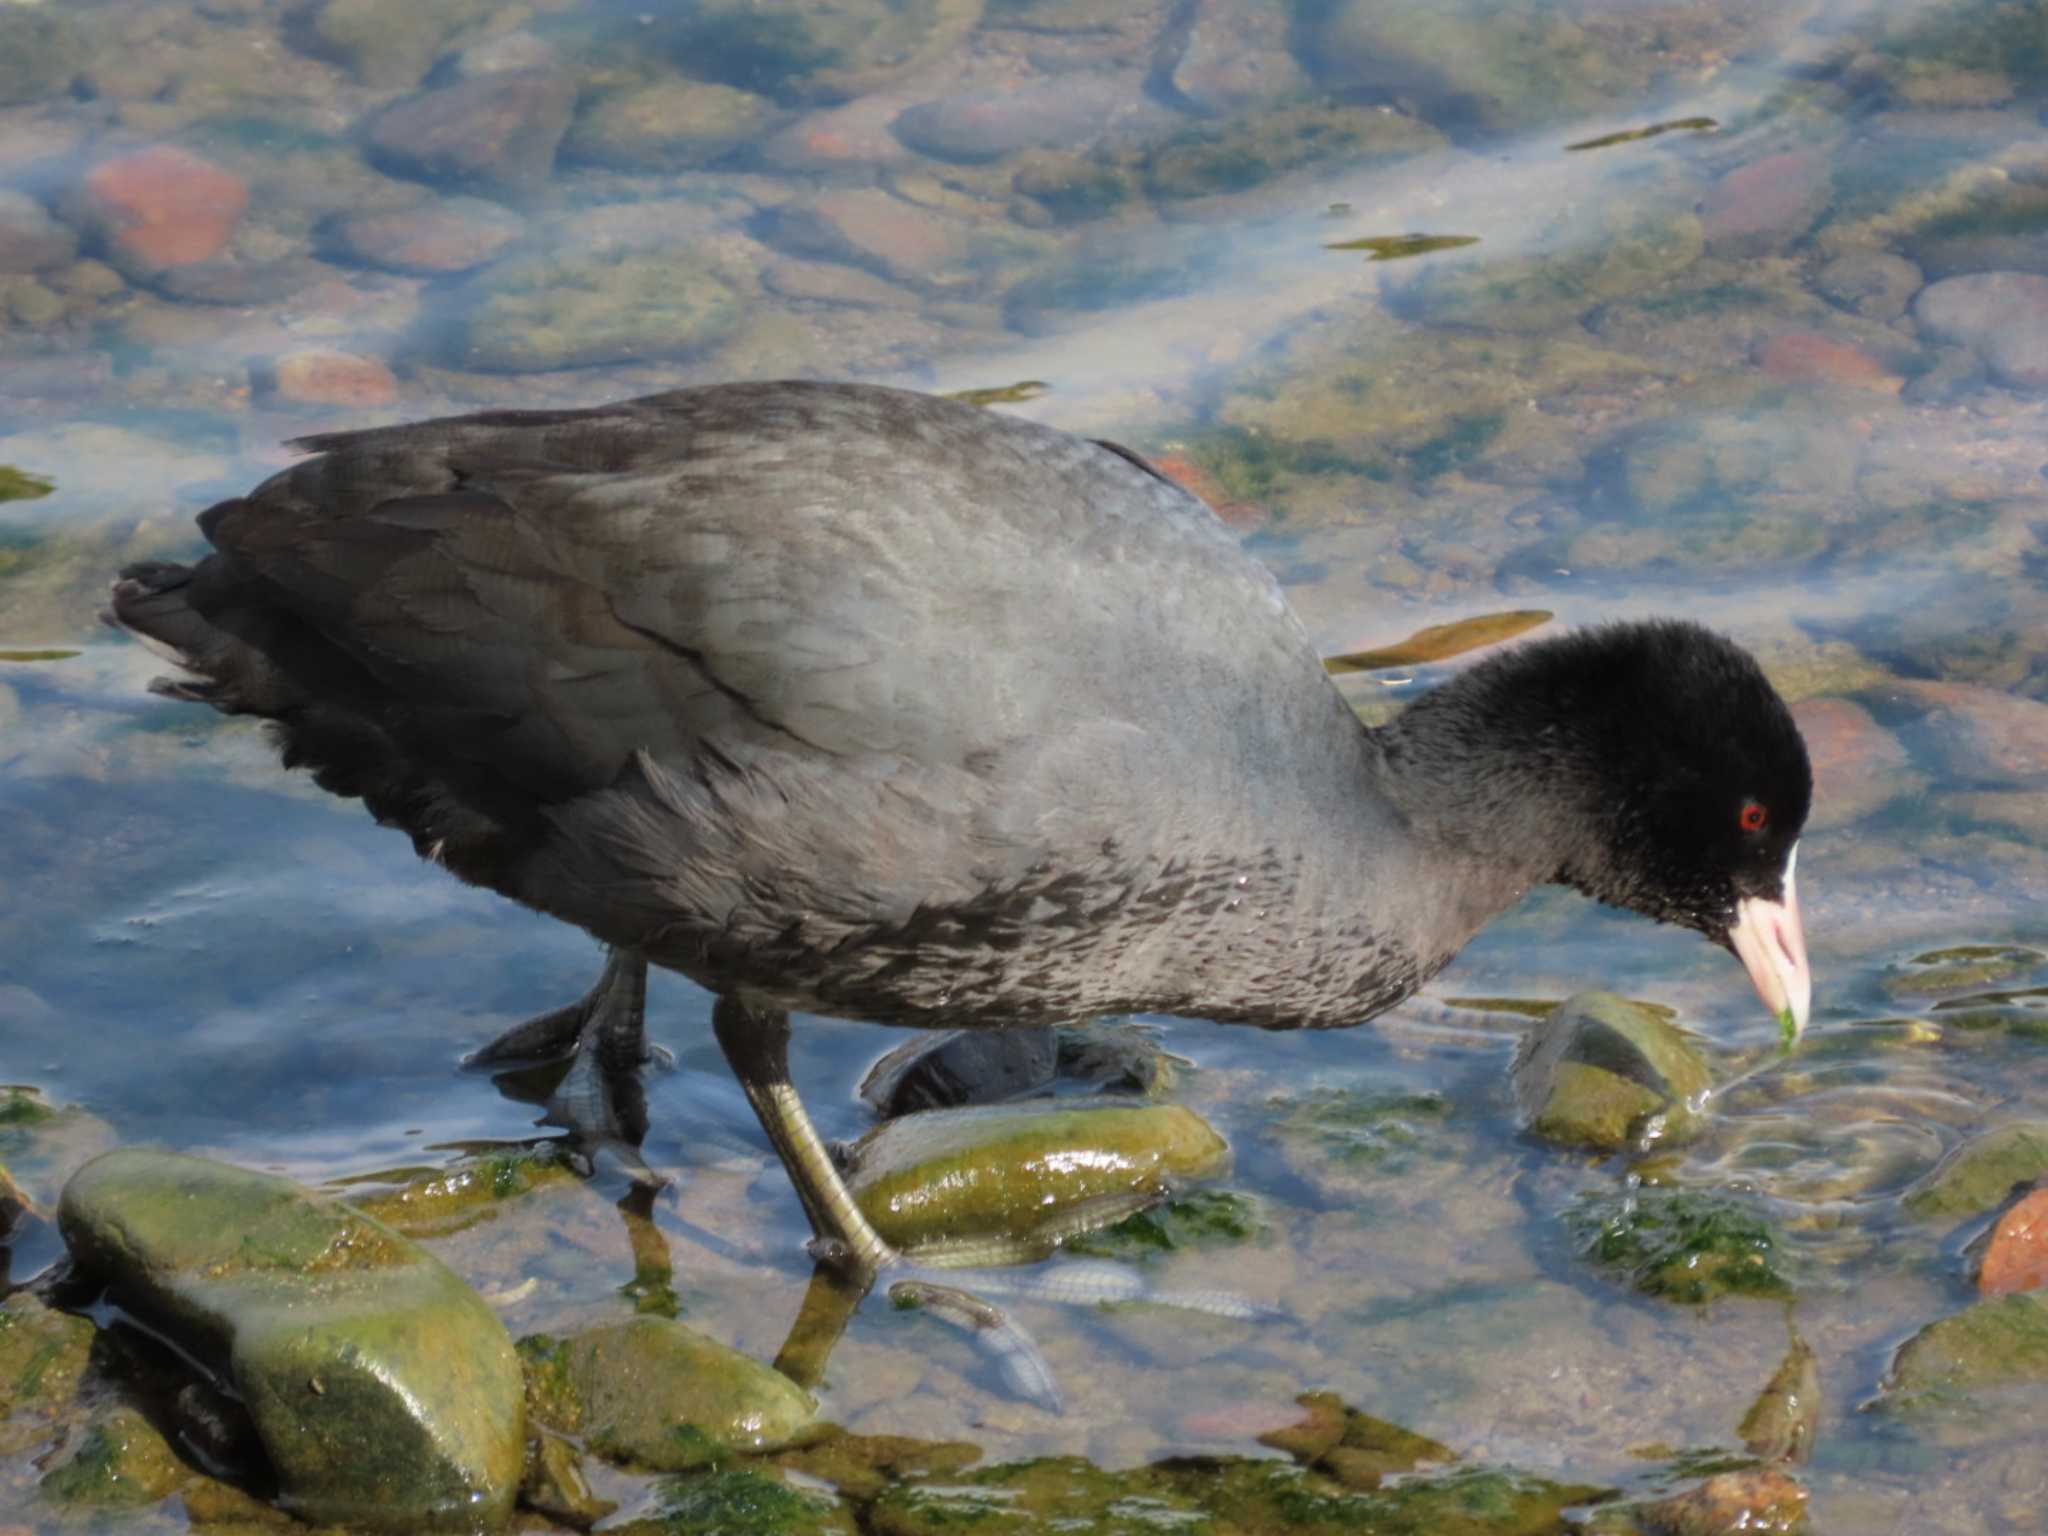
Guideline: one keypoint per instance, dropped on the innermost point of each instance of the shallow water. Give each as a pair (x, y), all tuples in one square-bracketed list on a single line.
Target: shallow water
[(1703, 372)]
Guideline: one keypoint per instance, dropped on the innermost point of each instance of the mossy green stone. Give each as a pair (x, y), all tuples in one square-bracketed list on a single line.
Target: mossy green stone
[(432, 1202), (746, 1501), (1602, 1072), (572, 311), (1686, 1245), (43, 1355), (20, 485), (1979, 1174), (121, 1461), (964, 1173), (656, 1393), (1251, 149), (1202, 1218), (385, 1391), (1985, 1345), (666, 125)]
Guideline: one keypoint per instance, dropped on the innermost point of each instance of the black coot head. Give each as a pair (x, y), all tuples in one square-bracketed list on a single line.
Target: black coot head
[(1700, 787)]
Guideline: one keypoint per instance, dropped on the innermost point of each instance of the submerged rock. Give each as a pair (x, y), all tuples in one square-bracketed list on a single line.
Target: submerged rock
[(1686, 1245), (2002, 316), (575, 310), (43, 1356), (433, 1202), (385, 1392), (1607, 1073), (1004, 1172), (1360, 1451), (29, 237), (389, 44), (1780, 1423), (1244, 152), (808, 52), (121, 1460), (1981, 1173), (2015, 1251), (667, 125), (161, 207), (452, 235), (494, 130), (555, 1484), (657, 1394), (1990, 1344), (40, 53), (743, 1501), (1752, 1500)]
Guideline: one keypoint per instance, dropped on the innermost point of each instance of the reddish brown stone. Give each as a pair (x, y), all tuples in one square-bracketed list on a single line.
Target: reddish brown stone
[(1803, 355), (1982, 733), (164, 207), (1766, 204), (319, 377), (451, 236), (1754, 1500), (1857, 764), (2016, 1258)]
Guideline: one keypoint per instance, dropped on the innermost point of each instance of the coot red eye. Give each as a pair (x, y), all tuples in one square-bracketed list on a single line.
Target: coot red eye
[(1754, 816)]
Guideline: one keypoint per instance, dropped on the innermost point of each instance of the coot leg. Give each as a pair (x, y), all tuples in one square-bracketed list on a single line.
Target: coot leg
[(756, 1044), (617, 1005), (600, 1099)]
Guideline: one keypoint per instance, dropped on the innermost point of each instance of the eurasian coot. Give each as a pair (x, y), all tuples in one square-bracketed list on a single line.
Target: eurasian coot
[(883, 706)]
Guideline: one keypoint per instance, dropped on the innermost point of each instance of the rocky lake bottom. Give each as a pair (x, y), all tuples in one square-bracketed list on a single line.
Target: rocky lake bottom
[(1575, 309)]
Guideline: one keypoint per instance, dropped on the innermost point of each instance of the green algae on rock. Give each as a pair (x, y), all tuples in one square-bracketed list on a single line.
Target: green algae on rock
[(1201, 1218), (657, 1394), (1779, 1425), (1244, 152), (744, 1501), (1978, 1175), (1360, 1451), (1605, 1073), (666, 125), (43, 1357), (1960, 966), (947, 1175), (435, 1202), (121, 1460), (1988, 1344), (861, 1466), (575, 310), (385, 1392), (1685, 1245)]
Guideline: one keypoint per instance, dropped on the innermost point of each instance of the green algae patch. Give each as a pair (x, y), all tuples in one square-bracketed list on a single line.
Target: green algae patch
[(436, 1202), (20, 485), (993, 1172), (43, 1358), (385, 1392), (1202, 1218), (121, 1462), (1990, 1344), (657, 1394), (1684, 1245), (1221, 1496), (1977, 1176), (1605, 1073), (745, 1501)]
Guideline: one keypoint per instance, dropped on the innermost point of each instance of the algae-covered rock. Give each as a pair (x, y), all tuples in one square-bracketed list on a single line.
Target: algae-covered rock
[(954, 1174), (666, 125), (1687, 1245), (555, 1483), (1220, 1494), (1961, 965), (1348, 1141), (43, 1355), (1779, 1425), (121, 1460), (658, 1394), (1360, 1451), (1989, 1344), (20, 485), (433, 1202), (385, 1392), (861, 1466), (744, 1501), (575, 310), (1978, 1175), (1605, 1073)]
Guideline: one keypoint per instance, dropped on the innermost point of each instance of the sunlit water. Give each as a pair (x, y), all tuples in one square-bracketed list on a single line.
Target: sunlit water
[(1696, 373)]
